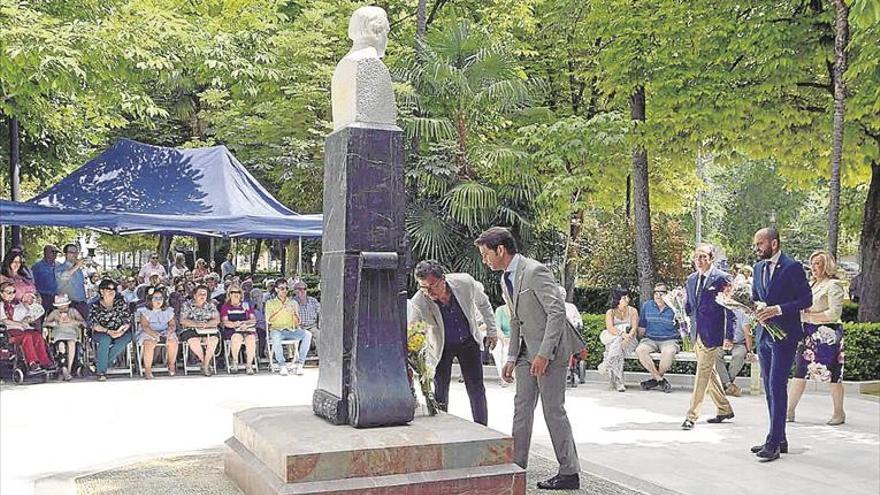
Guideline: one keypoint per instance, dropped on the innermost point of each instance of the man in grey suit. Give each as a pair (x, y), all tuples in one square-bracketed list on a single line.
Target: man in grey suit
[(540, 346), (449, 304)]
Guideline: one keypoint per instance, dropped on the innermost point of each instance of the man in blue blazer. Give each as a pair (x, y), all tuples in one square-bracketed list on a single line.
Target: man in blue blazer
[(711, 330), (781, 283)]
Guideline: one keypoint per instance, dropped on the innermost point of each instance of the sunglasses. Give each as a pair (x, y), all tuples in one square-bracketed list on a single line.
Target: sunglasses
[(429, 287), (9, 291), (235, 292)]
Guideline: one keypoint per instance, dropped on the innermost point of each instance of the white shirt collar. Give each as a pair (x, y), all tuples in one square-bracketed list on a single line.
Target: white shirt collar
[(774, 260), (513, 264)]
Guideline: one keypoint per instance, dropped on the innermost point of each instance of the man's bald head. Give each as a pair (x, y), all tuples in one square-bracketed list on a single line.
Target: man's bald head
[(766, 242)]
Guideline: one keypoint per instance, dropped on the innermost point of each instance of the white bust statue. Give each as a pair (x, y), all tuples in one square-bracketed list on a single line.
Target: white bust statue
[(361, 86)]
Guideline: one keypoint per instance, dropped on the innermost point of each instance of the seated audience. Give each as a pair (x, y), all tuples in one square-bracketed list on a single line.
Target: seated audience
[(200, 271), (152, 267), (179, 269), (282, 317), (742, 345), (199, 320), (239, 326), (659, 330), (14, 270), (309, 310), (157, 325), (619, 337), (19, 319), (129, 292), (110, 326), (66, 325)]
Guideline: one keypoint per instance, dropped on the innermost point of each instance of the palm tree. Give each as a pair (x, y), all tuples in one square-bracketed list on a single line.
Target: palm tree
[(460, 85)]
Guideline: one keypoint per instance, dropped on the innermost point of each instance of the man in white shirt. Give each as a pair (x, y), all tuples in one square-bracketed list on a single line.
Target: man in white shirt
[(150, 268)]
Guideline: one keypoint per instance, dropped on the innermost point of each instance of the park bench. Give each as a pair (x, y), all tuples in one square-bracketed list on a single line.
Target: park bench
[(755, 386)]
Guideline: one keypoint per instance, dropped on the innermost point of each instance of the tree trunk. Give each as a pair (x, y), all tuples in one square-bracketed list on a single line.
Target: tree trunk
[(421, 22), (841, 39), (163, 247), (641, 205), (258, 246), (572, 256), (869, 304), (628, 196), (15, 172)]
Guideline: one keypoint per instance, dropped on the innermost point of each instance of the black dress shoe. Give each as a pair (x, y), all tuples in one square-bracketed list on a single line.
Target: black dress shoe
[(561, 482), (767, 455), (783, 448), (687, 425), (719, 418)]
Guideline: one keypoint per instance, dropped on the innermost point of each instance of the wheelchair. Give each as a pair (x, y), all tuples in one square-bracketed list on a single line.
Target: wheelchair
[(13, 365)]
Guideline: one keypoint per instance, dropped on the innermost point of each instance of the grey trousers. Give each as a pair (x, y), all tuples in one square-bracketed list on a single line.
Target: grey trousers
[(551, 389), (737, 361)]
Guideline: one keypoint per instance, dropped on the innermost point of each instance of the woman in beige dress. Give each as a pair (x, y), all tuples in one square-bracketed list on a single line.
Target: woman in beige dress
[(820, 355)]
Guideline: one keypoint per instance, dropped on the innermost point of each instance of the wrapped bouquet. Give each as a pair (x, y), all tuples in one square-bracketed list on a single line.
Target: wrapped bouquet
[(675, 299), (417, 362), (739, 296)]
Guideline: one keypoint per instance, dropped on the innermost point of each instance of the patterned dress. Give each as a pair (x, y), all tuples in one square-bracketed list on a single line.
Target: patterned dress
[(820, 355)]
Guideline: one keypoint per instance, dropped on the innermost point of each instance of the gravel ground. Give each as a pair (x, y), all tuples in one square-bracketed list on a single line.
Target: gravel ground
[(203, 475)]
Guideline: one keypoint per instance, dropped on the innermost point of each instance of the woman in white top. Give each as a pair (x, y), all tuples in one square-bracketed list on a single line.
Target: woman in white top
[(619, 337), (179, 269), (820, 354)]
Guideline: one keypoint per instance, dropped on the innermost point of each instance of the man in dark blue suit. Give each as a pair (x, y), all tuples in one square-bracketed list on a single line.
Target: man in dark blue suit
[(780, 282), (711, 331)]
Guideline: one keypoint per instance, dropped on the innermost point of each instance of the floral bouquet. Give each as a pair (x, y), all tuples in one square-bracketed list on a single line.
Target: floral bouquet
[(417, 362), (675, 299), (739, 296)]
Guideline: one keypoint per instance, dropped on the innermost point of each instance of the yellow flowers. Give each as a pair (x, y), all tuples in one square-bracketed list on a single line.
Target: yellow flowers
[(415, 345)]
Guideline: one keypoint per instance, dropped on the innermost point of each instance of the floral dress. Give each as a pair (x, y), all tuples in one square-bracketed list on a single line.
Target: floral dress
[(820, 355)]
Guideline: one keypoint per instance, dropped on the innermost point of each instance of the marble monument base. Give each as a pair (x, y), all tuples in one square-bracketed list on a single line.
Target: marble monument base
[(289, 450)]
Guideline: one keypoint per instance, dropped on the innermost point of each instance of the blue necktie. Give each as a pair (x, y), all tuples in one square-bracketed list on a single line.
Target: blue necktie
[(508, 284)]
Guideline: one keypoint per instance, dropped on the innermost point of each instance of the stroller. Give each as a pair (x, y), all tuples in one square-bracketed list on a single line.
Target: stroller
[(13, 365)]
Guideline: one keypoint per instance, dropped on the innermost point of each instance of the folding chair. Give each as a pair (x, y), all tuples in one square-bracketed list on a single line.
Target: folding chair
[(242, 355), (292, 347)]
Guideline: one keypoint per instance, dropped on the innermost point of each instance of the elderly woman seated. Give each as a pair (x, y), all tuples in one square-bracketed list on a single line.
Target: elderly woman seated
[(66, 325), (239, 325), (199, 320), (157, 325), (19, 320)]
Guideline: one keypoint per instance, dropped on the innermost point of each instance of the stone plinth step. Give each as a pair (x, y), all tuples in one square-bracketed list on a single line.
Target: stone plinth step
[(289, 450)]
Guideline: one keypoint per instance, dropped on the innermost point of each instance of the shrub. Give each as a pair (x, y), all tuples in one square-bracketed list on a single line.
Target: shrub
[(850, 312), (862, 351), (592, 299), (862, 348)]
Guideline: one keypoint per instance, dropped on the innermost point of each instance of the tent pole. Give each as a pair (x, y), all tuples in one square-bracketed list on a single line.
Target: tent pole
[(299, 260), (211, 253), (3, 239)]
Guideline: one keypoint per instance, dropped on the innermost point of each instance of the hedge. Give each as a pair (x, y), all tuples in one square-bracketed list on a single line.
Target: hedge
[(862, 350)]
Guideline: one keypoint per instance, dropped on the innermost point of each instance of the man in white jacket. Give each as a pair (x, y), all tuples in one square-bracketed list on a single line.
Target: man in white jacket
[(449, 304)]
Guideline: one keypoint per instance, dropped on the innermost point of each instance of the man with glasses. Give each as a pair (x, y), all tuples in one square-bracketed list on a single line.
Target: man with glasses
[(449, 304), (44, 277), (71, 279), (282, 319), (658, 326), (152, 267), (309, 310)]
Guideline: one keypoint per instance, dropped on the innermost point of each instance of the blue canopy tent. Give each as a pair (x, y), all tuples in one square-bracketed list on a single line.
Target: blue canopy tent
[(134, 188)]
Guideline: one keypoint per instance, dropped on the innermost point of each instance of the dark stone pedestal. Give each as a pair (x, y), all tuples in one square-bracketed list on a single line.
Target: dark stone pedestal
[(362, 378), (287, 450)]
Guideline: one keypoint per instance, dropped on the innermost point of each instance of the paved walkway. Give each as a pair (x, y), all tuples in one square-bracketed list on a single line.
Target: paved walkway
[(53, 433)]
